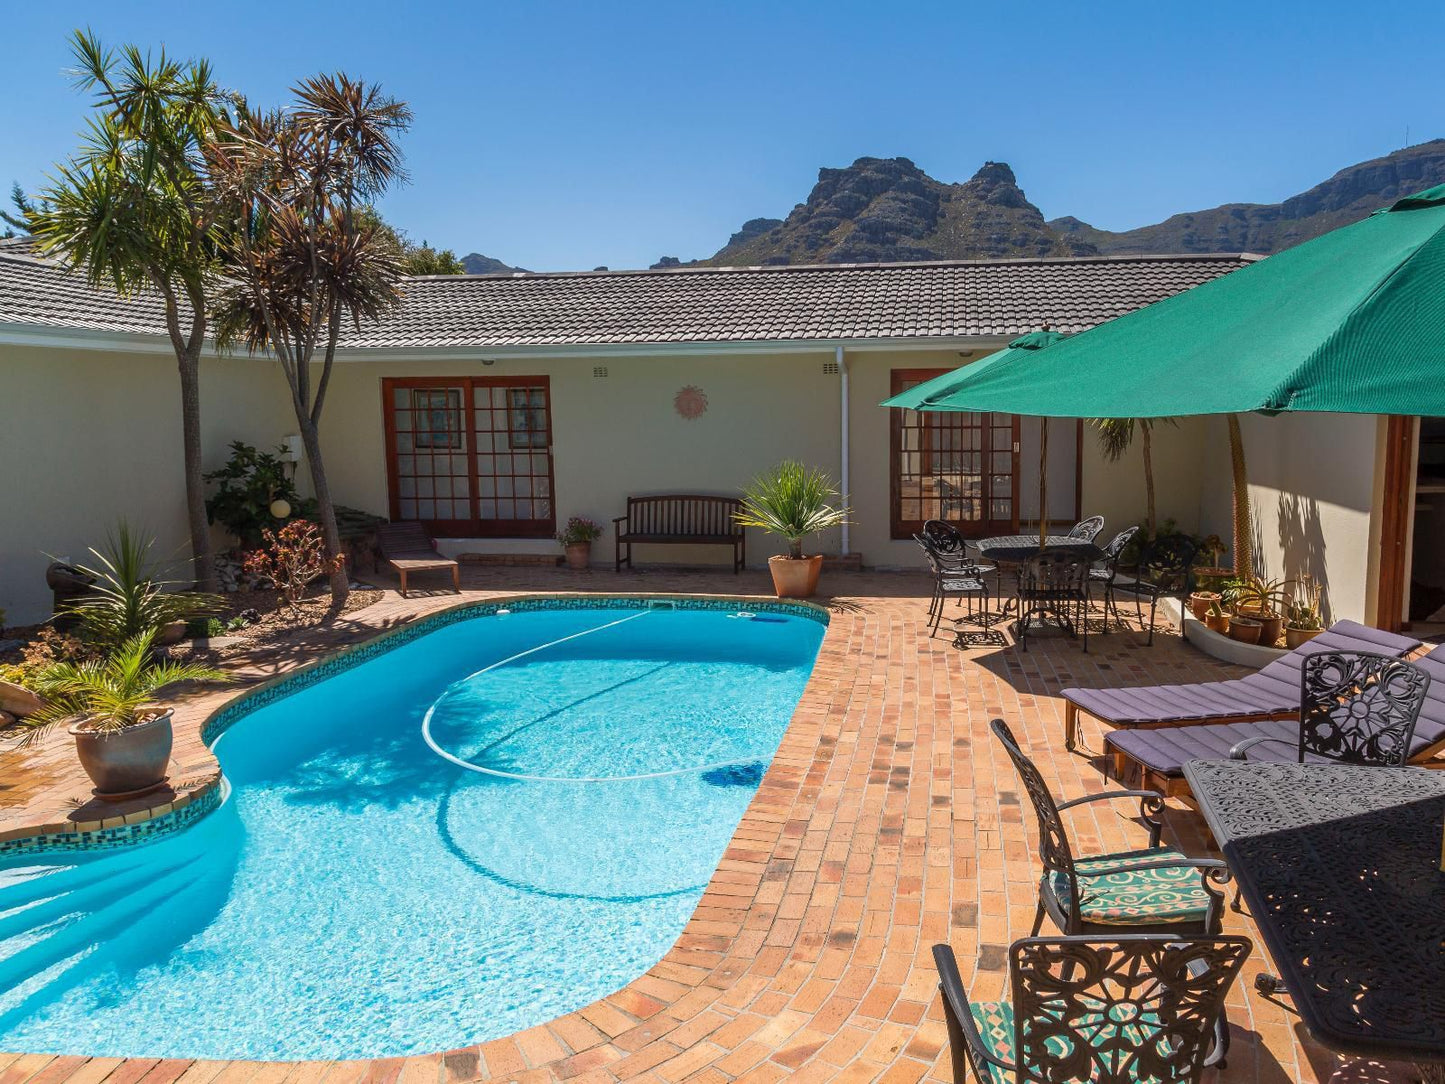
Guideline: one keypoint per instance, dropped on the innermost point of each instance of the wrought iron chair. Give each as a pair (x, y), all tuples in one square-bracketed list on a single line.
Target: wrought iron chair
[(1154, 890), (1086, 530), (1113, 1011), (1054, 583), (954, 575), (1163, 572), (948, 542), (1356, 707), (1104, 571)]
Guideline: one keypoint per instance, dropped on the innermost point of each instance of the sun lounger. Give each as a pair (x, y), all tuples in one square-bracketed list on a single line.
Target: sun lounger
[(1159, 754), (408, 548), (1270, 692)]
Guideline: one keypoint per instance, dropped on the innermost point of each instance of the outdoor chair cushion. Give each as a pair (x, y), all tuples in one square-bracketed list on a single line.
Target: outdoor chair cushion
[(1273, 690), (995, 1021), (1129, 898)]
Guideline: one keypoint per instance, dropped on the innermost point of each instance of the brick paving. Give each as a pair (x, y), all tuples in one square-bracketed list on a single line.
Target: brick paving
[(888, 821)]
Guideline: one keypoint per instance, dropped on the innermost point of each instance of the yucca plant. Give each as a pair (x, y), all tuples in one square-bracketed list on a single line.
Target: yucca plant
[(110, 692), (129, 596), (791, 501)]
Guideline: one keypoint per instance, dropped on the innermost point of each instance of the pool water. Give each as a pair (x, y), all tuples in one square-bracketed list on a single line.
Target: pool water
[(360, 895)]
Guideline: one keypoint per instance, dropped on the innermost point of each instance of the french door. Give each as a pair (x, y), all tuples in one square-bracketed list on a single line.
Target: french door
[(471, 456), (961, 467)]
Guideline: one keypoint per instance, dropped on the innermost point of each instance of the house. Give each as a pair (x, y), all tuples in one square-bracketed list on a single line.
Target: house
[(494, 407)]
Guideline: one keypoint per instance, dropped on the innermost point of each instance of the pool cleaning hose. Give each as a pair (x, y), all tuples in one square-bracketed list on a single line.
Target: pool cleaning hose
[(471, 767)]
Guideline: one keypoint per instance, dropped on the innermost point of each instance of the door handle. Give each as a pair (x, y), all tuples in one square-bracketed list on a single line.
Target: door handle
[(1016, 447)]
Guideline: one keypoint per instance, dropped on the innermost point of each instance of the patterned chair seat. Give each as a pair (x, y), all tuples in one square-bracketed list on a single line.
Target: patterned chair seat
[(995, 1020), (1130, 897), (962, 583)]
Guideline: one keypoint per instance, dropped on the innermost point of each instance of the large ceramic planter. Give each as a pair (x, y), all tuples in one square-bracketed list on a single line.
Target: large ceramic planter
[(579, 555), (1293, 638), (795, 577), (1201, 601), (1270, 629), (126, 762), (1218, 622)]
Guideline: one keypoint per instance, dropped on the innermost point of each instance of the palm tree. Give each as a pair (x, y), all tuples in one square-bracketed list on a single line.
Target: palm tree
[(301, 252), (133, 210), (1243, 528), (1116, 437)]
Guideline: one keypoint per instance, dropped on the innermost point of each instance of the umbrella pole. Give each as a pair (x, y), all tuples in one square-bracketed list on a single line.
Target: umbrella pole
[(1043, 482)]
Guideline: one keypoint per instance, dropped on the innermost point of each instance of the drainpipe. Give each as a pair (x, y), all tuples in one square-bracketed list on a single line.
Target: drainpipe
[(845, 480)]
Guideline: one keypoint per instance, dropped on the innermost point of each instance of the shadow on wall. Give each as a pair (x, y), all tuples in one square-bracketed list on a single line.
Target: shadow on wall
[(1302, 542)]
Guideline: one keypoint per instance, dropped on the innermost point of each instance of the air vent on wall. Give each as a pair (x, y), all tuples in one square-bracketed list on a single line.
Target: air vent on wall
[(599, 370), (830, 368)]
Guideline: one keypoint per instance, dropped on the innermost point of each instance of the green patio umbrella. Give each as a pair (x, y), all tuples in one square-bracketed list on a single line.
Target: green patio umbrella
[(940, 394), (1353, 321)]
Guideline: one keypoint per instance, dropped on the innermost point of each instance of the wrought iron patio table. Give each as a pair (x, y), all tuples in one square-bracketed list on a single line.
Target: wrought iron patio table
[(1016, 549), (1340, 866)]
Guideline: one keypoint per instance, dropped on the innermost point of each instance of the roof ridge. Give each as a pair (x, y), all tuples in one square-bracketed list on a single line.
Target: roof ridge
[(659, 272)]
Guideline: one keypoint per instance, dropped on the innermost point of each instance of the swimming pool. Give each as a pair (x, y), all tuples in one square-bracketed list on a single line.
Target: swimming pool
[(360, 894)]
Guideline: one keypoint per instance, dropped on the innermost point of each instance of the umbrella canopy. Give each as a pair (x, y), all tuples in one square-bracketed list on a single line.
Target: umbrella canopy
[(1353, 321)]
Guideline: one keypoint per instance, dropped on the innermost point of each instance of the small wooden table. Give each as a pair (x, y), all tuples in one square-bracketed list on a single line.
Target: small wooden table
[(1341, 868)]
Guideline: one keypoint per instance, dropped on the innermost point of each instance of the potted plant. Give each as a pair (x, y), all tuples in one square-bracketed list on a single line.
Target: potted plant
[(1216, 618), (1261, 600), (1303, 620), (792, 502), (1211, 575), (123, 739), (577, 538), (1201, 602), (1245, 629)]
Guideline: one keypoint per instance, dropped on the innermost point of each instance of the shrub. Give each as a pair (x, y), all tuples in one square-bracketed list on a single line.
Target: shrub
[(791, 501), (292, 558), (250, 483), (129, 596), (50, 646), (580, 529)]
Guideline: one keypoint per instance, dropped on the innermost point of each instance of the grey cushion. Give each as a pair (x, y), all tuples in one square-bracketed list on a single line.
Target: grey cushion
[(1269, 691)]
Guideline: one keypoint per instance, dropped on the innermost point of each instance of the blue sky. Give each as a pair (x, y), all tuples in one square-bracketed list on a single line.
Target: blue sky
[(567, 135)]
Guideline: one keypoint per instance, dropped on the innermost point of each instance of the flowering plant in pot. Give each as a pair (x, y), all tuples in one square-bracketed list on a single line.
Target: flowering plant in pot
[(792, 502), (123, 738), (577, 538)]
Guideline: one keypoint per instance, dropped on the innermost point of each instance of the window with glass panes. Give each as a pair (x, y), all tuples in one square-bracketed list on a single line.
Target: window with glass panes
[(471, 456)]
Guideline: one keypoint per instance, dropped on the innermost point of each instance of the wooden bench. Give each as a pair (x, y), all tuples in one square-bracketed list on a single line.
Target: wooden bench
[(407, 548), (681, 519)]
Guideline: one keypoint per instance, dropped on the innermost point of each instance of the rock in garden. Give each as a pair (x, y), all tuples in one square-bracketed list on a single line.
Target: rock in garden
[(18, 700)]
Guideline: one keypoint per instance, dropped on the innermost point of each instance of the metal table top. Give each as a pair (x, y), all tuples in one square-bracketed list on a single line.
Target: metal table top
[(1341, 868), (1017, 548)]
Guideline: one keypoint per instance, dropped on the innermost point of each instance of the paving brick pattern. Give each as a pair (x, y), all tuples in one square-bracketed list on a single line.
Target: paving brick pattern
[(888, 821)]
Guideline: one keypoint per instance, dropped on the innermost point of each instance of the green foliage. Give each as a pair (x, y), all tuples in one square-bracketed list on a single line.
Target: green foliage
[(49, 646), (25, 211), (205, 627), (249, 483), (579, 529), (1256, 596), (792, 502), (111, 690), (129, 596)]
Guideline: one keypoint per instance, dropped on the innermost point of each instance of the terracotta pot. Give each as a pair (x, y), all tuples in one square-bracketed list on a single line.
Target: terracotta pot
[(1245, 629), (579, 555), (1200, 601), (1294, 637), (132, 760), (1270, 629), (795, 577), (1218, 622)]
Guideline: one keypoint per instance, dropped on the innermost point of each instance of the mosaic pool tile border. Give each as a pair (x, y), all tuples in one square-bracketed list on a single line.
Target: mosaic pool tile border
[(287, 684), (119, 835)]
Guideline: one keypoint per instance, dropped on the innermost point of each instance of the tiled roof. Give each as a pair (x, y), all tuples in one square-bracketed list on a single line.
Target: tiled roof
[(691, 305)]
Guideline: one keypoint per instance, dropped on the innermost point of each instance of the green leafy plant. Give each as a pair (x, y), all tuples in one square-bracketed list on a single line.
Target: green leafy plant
[(250, 482), (791, 502), (579, 529), (1255, 596), (48, 647), (111, 692), (129, 595), (204, 627), (1304, 612), (292, 558)]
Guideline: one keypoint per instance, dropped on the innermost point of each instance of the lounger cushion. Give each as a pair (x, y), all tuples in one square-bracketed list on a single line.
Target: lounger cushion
[(1131, 897), (1273, 690)]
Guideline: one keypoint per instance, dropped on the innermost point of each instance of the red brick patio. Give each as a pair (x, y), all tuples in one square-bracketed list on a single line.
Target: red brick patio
[(887, 822)]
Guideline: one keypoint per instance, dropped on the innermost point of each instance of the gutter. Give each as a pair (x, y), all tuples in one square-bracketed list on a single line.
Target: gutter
[(845, 483)]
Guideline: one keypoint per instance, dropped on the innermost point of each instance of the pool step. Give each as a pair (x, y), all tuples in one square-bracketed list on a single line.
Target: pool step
[(47, 939)]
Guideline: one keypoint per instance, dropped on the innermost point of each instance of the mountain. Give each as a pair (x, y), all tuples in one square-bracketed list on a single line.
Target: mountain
[(881, 209), (1347, 197), (477, 264)]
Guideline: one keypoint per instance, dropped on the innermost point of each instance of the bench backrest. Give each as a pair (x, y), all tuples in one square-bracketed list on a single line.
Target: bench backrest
[(683, 514), (393, 538)]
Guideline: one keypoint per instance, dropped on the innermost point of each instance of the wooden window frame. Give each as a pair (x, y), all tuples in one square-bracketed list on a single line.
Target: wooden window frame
[(475, 526)]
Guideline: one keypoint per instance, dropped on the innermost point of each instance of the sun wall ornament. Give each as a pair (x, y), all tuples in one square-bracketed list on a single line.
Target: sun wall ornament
[(690, 402)]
